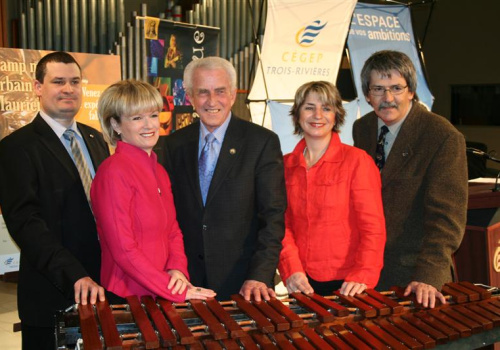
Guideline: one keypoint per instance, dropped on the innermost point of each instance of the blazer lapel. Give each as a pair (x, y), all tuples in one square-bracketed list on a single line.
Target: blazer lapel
[(93, 147), (190, 157), (402, 149), (230, 152), (371, 138), (49, 139)]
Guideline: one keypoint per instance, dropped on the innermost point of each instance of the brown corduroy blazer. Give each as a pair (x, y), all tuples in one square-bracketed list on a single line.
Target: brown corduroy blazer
[(424, 191)]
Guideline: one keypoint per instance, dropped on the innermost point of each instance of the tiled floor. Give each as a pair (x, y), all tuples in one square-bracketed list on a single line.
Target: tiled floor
[(8, 316)]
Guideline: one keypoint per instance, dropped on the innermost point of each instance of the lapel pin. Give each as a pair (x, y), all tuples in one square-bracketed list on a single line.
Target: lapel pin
[(232, 151), (91, 136)]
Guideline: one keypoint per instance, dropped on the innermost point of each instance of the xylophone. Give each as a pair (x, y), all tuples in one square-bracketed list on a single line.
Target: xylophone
[(371, 320)]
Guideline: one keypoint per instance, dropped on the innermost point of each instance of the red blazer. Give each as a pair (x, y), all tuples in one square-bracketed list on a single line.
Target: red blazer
[(136, 221), (335, 226)]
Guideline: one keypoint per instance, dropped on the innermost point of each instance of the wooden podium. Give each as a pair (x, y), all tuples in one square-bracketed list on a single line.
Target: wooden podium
[(478, 257)]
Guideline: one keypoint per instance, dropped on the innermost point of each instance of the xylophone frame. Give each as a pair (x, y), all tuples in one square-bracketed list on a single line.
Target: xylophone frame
[(371, 320)]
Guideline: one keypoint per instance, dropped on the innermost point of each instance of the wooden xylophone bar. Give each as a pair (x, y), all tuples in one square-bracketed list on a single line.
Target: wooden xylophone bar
[(308, 322)]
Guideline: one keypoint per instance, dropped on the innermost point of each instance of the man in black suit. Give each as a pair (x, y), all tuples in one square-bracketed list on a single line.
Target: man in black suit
[(233, 222), (45, 206)]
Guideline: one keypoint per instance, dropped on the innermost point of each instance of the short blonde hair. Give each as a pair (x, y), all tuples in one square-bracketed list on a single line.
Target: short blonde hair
[(327, 93), (122, 99)]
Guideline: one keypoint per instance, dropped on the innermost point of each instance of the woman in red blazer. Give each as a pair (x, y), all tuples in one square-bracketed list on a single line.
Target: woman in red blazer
[(335, 226)]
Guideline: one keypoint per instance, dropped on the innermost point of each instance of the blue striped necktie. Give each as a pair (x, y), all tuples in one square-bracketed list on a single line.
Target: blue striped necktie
[(380, 152), (206, 165), (80, 162)]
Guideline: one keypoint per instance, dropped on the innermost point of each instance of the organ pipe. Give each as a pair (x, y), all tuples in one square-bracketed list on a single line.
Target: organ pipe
[(99, 26)]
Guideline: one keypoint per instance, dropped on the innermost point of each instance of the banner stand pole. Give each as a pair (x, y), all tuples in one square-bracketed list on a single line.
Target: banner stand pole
[(417, 39), (257, 48)]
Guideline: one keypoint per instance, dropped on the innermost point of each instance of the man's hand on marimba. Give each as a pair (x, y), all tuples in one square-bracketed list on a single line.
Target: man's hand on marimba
[(425, 294), (352, 288), (298, 282), (85, 286), (257, 289), (178, 281)]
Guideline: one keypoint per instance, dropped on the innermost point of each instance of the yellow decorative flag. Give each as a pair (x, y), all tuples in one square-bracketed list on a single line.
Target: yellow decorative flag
[(151, 28)]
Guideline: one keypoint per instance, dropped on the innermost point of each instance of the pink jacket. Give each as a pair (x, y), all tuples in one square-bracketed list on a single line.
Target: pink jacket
[(136, 221), (335, 226)]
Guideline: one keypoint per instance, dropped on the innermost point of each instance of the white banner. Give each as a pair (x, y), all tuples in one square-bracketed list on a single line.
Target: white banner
[(9, 252), (303, 42)]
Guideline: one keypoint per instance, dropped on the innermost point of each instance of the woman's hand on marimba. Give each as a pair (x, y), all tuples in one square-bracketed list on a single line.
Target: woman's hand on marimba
[(352, 288), (199, 293), (85, 286), (298, 282), (178, 282), (425, 294)]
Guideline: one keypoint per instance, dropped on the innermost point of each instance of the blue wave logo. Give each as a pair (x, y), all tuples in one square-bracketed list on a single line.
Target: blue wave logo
[(8, 261), (306, 35)]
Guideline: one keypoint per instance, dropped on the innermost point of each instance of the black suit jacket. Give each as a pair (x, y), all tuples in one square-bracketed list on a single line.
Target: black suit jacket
[(237, 235), (48, 216), (424, 190)]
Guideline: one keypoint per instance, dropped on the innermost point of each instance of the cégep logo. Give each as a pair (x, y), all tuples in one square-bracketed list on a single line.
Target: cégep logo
[(306, 35)]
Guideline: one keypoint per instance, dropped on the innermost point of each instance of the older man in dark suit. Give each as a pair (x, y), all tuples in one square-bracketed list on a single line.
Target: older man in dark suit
[(45, 173), (228, 184), (423, 167)]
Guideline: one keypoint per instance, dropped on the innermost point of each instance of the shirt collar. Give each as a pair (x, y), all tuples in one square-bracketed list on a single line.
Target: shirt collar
[(58, 128), (218, 133), (135, 152), (332, 154)]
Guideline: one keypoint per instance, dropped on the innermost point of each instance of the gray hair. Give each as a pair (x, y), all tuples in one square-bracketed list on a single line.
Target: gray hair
[(209, 63), (385, 61)]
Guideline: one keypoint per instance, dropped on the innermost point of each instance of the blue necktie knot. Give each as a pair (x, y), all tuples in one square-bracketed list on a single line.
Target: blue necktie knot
[(69, 134)]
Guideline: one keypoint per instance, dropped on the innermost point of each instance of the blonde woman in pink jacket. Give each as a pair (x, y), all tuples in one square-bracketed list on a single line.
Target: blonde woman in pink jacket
[(142, 245)]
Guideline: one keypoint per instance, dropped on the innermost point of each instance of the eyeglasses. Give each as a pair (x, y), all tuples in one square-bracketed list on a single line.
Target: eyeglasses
[(380, 90)]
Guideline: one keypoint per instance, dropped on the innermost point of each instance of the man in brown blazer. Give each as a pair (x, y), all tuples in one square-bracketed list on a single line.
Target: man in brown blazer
[(423, 167)]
